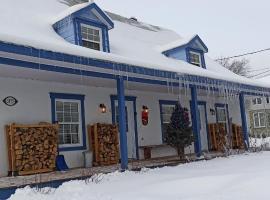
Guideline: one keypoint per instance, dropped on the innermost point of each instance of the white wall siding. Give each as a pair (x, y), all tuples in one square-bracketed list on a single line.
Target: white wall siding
[(34, 106)]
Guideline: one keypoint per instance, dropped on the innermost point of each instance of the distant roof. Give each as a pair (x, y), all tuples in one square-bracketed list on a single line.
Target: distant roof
[(131, 42)]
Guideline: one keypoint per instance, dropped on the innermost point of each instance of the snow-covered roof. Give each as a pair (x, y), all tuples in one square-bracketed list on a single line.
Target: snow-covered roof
[(131, 42), (182, 42)]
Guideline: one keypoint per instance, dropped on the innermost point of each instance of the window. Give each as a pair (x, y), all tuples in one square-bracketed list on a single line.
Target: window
[(221, 115), (257, 101), (166, 113), (267, 99), (195, 59), (259, 119), (91, 37), (68, 112)]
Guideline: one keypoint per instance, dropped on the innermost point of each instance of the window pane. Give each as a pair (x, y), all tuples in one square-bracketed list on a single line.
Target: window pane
[(90, 37), (59, 116), (221, 114), (256, 120), (74, 128), (259, 100), (69, 121), (61, 139), (262, 119), (67, 139), (166, 111), (59, 106), (75, 139)]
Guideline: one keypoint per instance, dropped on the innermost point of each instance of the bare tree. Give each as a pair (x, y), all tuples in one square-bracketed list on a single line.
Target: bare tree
[(239, 67), (72, 2)]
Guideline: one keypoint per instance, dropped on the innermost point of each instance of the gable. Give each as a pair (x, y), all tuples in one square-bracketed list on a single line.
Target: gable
[(194, 42), (86, 11)]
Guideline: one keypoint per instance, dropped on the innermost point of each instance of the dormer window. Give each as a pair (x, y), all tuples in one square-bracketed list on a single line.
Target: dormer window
[(91, 37), (195, 58)]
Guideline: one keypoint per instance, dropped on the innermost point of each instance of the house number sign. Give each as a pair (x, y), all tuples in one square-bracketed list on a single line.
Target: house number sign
[(10, 101)]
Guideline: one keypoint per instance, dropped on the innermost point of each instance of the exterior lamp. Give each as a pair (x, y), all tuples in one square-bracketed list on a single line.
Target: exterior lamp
[(102, 108), (212, 111), (145, 115)]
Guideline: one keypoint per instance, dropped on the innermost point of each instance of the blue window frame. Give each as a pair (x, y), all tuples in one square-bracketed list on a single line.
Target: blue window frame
[(68, 111), (166, 109), (199, 60), (102, 29)]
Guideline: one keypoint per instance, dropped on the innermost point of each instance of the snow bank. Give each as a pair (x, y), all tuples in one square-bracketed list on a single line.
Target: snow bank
[(237, 177)]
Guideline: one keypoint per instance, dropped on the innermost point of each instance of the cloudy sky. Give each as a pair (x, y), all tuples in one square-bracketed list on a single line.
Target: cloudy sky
[(228, 27)]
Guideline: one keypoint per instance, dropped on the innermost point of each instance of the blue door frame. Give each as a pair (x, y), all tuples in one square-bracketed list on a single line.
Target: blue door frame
[(133, 100)]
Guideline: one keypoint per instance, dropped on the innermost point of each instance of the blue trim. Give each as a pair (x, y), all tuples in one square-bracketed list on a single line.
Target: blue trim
[(244, 119), (122, 123), (133, 99), (161, 103), (90, 7), (195, 120), (188, 50), (206, 121), (38, 53), (79, 97)]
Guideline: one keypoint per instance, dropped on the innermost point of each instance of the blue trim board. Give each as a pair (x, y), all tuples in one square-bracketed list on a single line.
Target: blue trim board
[(133, 99), (244, 119), (161, 103), (122, 123), (38, 53), (195, 120), (79, 97)]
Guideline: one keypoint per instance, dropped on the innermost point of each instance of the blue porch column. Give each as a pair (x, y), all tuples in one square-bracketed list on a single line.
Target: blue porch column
[(122, 123), (244, 119), (195, 120)]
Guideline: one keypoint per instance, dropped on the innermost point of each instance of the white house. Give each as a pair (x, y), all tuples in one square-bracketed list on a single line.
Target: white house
[(59, 64)]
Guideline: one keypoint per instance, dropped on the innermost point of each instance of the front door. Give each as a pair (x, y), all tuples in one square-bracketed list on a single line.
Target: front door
[(203, 128), (130, 127)]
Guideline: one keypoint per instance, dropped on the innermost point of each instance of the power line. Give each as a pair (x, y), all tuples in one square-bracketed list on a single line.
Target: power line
[(245, 54)]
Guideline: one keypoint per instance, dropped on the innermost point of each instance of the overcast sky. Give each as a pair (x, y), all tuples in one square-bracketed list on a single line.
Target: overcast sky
[(228, 27)]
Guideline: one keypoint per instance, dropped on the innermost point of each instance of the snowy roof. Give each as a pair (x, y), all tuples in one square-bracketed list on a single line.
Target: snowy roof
[(182, 42), (131, 42)]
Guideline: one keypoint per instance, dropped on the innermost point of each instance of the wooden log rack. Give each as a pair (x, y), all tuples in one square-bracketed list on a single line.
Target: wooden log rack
[(31, 148)]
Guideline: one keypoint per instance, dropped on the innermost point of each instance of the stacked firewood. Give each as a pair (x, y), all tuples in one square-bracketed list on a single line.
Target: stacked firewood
[(237, 137), (104, 143), (218, 136), (32, 148)]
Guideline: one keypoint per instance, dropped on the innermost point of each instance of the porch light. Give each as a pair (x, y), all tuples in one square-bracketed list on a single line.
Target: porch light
[(212, 111), (102, 108), (145, 109)]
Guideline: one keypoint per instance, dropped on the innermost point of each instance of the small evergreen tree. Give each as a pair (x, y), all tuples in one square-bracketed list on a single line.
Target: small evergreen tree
[(179, 131)]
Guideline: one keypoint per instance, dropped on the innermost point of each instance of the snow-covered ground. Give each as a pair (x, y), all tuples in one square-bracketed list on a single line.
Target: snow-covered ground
[(237, 177)]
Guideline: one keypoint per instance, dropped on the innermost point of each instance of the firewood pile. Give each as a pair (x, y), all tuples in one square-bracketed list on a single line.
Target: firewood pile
[(237, 137), (31, 148), (218, 137), (219, 140), (104, 144)]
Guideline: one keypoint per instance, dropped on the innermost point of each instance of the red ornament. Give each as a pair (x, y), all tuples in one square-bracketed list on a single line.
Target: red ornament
[(145, 115)]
